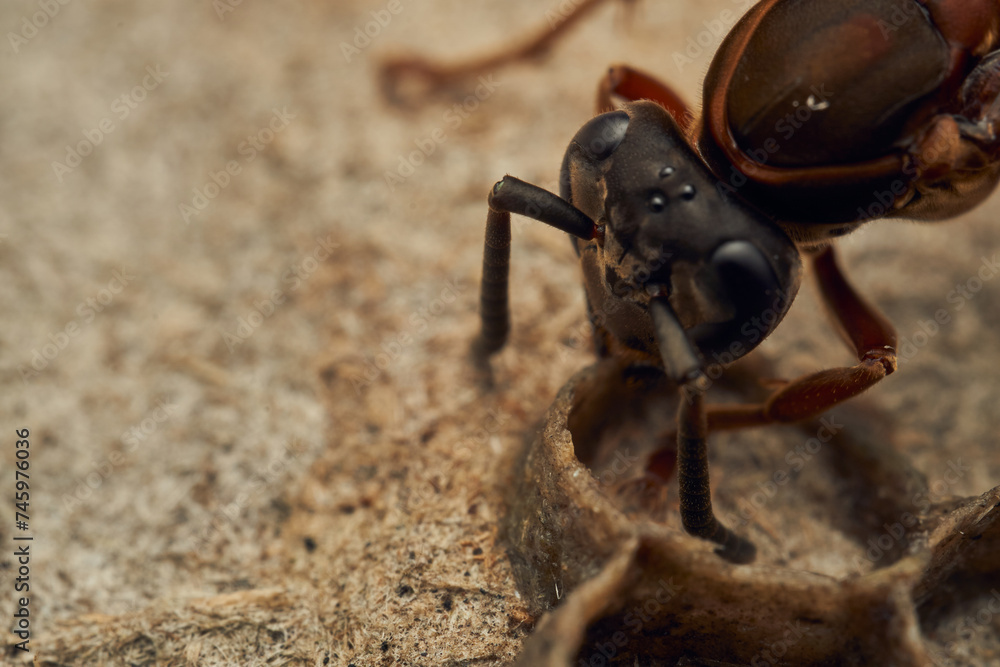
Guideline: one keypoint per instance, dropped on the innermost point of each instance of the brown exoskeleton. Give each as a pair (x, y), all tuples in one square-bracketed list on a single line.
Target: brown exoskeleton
[(819, 116), (635, 195)]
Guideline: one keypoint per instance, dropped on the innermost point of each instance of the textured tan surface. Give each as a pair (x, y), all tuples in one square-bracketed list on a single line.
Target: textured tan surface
[(616, 562), (192, 547)]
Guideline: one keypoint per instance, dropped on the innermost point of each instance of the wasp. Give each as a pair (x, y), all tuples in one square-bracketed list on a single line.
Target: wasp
[(692, 230)]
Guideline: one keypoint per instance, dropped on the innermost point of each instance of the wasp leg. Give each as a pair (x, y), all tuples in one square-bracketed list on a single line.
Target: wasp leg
[(508, 196), (869, 332), (958, 154), (436, 75), (693, 482), (631, 84)]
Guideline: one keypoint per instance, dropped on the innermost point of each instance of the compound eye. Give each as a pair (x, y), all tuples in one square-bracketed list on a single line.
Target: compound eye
[(601, 135)]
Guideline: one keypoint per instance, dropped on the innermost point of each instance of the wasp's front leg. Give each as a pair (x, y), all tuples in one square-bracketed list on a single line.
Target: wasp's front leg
[(871, 335), (694, 488)]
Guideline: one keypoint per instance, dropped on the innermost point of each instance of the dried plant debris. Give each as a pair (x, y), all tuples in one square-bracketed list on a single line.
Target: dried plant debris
[(600, 549)]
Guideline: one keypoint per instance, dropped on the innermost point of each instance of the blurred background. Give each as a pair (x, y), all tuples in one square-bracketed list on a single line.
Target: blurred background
[(238, 288)]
